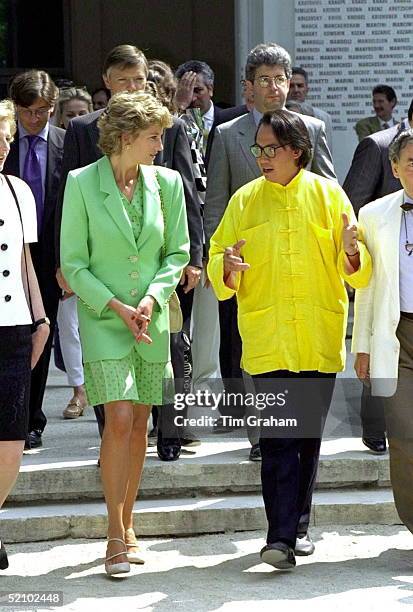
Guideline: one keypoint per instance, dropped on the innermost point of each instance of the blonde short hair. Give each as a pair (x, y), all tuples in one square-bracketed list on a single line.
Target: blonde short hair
[(71, 93), (7, 113), (129, 113)]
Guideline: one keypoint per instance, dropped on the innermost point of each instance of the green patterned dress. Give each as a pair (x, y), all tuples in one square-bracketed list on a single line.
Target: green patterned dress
[(130, 378)]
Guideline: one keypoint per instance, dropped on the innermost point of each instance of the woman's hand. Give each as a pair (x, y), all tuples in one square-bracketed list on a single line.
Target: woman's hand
[(362, 367), (143, 314), (62, 283), (133, 320), (39, 339)]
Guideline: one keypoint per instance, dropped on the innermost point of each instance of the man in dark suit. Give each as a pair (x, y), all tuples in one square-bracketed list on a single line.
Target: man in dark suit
[(36, 156), (126, 69), (371, 177), (195, 90)]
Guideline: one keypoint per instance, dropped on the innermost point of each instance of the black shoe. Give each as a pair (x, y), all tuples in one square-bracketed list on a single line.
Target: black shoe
[(4, 562), (279, 555), (169, 449), (255, 453), (376, 445), (220, 427), (34, 439)]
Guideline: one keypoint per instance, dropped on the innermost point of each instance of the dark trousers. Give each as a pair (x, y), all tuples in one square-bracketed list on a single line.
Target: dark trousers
[(289, 465), (180, 346), (230, 356), (372, 415)]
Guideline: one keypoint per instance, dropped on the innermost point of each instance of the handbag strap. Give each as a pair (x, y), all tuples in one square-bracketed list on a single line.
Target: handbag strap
[(9, 183), (163, 213)]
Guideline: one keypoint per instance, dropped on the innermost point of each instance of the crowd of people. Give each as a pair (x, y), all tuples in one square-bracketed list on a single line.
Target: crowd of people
[(153, 225)]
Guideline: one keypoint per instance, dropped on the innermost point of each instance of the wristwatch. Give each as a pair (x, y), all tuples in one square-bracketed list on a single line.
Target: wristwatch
[(41, 321)]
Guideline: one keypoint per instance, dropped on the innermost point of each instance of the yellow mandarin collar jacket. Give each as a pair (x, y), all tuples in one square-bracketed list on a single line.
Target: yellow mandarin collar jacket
[(292, 302)]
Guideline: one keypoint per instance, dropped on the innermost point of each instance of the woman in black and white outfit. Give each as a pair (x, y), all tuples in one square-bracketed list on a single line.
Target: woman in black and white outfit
[(24, 327)]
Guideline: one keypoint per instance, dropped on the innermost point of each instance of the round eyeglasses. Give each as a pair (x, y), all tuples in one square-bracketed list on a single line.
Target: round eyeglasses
[(266, 81), (268, 151)]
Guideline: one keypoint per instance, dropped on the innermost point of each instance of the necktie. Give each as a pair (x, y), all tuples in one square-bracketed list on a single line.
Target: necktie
[(385, 126), (205, 134), (32, 175), (407, 206)]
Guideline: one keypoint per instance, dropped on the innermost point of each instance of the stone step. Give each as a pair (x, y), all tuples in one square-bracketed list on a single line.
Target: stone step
[(191, 516), (225, 472)]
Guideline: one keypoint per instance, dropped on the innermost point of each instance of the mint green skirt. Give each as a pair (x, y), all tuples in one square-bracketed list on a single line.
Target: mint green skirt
[(130, 378)]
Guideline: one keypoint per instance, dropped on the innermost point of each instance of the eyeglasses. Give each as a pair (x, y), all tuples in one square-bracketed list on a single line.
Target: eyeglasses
[(39, 113), (266, 81), (268, 151)]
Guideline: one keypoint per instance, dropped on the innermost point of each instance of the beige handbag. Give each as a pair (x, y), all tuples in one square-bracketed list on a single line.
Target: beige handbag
[(176, 320)]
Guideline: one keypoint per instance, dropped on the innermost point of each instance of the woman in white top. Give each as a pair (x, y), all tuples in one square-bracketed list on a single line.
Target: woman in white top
[(24, 326)]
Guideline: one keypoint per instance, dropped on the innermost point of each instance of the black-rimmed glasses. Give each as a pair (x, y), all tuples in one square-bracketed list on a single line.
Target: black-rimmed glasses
[(268, 151)]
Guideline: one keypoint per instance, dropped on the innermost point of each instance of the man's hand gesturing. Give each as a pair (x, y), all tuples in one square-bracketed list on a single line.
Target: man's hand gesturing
[(233, 263)]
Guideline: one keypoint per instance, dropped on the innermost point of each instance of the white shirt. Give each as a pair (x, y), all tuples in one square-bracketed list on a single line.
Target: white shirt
[(14, 309), (406, 260), (208, 118)]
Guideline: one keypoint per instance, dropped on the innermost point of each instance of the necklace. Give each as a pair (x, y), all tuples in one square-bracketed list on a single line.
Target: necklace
[(407, 245)]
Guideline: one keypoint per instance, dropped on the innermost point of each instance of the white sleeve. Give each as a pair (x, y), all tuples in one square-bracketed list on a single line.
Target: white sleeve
[(28, 209)]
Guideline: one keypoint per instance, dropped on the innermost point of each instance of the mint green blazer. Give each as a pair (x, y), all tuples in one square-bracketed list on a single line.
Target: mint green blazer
[(101, 259)]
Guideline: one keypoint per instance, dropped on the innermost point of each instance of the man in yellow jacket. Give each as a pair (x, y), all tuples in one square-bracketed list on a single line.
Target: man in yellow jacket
[(285, 246)]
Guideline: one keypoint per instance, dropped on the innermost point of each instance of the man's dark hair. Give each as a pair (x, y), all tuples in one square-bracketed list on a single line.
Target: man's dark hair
[(289, 129), (27, 87), (269, 54), (299, 70), (125, 56), (387, 91), (198, 67)]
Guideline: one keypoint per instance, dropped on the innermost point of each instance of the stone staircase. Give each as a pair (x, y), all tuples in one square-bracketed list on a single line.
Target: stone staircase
[(212, 488)]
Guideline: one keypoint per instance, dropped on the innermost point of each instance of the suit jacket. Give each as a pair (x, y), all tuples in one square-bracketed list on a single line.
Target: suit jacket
[(370, 176), (222, 115), (319, 113), (101, 258), (81, 148), (377, 307), (367, 126), (232, 164), (43, 252)]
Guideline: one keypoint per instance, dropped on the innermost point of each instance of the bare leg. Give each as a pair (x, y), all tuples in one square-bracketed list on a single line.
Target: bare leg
[(114, 463), (10, 458), (137, 450)]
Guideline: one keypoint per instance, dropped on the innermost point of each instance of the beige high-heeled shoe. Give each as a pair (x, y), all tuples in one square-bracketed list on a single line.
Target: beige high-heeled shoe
[(117, 568), (133, 557)]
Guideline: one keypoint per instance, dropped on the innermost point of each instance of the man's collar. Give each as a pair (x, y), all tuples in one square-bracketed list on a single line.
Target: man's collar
[(43, 134), (407, 199), (209, 115), (256, 115)]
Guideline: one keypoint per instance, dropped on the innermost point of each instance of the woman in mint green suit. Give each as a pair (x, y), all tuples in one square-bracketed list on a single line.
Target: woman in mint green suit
[(124, 244)]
